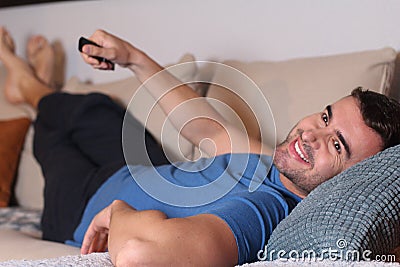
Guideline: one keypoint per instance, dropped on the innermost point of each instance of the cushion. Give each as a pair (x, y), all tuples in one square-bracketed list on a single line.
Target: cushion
[(12, 137), (30, 182), (356, 213), (295, 88), (13, 131)]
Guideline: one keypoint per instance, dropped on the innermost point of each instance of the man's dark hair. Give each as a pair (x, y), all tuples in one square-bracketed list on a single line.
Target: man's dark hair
[(380, 113)]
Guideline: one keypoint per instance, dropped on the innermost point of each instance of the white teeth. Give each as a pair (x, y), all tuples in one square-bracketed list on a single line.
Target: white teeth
[(296, 146)]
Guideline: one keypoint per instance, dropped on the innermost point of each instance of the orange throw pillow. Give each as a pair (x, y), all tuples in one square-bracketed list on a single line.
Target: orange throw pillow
[(12, 137)]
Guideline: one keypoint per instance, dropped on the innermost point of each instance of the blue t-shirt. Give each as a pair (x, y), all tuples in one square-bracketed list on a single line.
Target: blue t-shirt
[(218, 186)]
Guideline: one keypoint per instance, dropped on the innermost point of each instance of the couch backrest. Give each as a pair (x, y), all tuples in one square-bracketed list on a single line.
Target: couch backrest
[(395, 81), (299, 87)]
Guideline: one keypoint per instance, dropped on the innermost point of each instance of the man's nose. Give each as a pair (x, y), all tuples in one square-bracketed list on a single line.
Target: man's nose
[(314, 137)]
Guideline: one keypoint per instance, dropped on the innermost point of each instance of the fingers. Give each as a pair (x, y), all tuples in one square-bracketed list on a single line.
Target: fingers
[(96, 235), (99, 243), (101, 37), (95, 57), (98, 62), (88, 239), (110, 47), (94, 241), (93, 51)]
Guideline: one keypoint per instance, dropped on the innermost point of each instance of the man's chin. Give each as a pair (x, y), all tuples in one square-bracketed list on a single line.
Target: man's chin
[(296, 176)]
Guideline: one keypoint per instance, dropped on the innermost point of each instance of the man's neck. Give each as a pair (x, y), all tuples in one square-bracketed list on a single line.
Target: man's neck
[(291, 186)]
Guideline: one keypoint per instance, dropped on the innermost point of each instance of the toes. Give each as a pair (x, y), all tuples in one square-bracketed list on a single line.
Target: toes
[(40, 55), (35, 44), (6, 39)]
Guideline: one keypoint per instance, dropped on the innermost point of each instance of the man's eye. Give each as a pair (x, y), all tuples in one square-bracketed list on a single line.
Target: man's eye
[(337, 146), (325, 118)]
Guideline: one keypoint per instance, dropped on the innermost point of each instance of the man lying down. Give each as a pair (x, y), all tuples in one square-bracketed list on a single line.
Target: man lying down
[(94, 199)]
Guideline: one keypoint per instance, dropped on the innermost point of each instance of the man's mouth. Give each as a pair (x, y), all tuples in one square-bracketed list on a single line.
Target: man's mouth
[(299, 152)]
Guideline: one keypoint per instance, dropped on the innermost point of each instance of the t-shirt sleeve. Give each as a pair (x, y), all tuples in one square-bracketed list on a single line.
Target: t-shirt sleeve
[(252, 216)]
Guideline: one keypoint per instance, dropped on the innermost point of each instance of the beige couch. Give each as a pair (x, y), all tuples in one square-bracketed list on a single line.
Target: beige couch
[(292, 88)]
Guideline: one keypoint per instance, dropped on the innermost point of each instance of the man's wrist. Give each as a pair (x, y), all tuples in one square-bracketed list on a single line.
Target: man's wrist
[(136, 59), (142, 65)]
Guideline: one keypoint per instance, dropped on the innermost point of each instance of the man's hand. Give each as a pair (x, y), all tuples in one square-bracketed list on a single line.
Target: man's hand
[(149, 238), (111, 48), (120, 52), (96, 236)]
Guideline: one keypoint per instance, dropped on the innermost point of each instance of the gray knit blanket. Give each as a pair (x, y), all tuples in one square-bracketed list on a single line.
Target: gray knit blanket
[(21, 219)]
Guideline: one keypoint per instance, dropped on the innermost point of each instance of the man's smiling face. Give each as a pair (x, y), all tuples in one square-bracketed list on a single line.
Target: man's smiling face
[(324, 144)]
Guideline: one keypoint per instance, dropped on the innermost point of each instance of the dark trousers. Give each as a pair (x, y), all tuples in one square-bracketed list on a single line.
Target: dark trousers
[(78, 144)]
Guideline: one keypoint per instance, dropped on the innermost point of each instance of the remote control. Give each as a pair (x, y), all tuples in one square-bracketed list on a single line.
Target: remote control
[(83, 41)]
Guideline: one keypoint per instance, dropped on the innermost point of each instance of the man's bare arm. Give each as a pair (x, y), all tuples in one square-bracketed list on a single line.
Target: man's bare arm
[(150, 238), (196, 121)]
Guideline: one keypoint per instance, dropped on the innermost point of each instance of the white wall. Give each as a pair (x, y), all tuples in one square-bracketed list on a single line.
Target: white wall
[(212, 29)]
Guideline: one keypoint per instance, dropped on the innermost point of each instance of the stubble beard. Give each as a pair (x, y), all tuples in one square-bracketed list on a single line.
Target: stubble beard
[(299, 177)]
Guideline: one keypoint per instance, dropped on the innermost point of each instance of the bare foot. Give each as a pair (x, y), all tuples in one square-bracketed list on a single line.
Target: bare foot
[(41, 57), (17, 69), (22, 85)]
